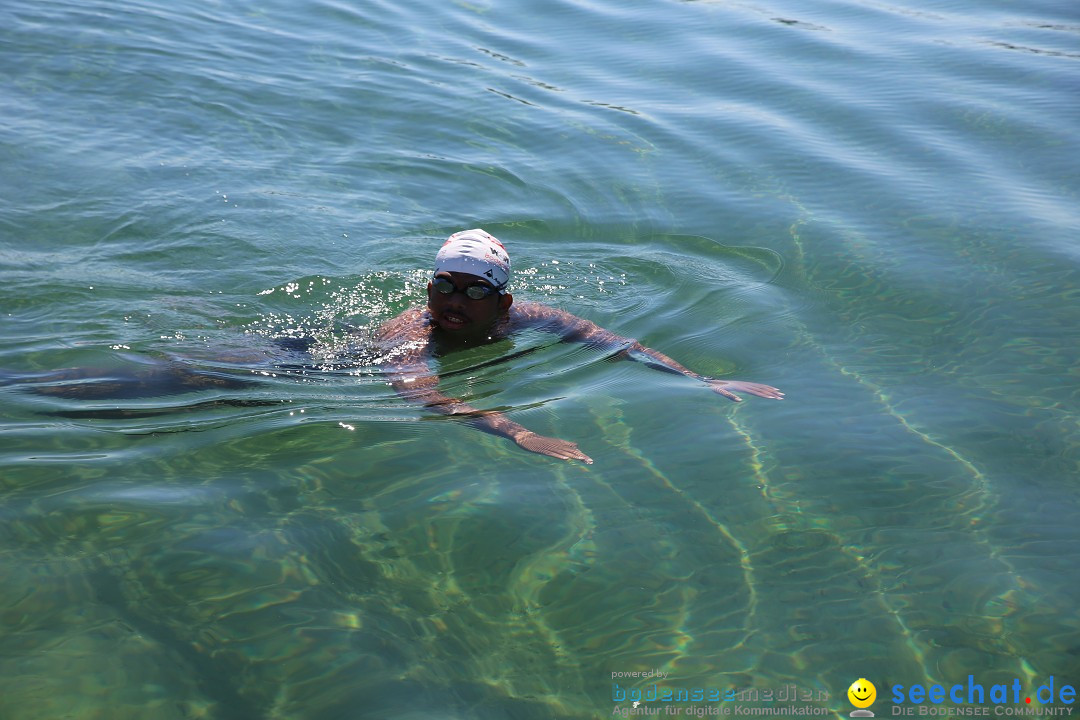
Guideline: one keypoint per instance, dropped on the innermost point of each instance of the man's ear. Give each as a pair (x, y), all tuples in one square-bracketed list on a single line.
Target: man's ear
[(505, 301), (429, 288)]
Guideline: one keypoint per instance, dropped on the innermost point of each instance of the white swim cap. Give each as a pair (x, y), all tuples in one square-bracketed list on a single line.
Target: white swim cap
[(475, 252)]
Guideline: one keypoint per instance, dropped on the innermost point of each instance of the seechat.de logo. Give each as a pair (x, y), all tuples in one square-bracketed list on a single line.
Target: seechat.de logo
[(862, 694)]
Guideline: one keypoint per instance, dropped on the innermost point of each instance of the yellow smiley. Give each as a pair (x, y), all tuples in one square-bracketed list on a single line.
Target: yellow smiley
[(862, 693)]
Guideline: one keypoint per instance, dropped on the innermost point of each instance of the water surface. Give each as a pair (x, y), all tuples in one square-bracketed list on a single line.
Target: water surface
[(872, 206)]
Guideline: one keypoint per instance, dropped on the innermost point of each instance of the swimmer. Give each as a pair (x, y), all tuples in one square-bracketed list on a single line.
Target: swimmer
[(468, 304)]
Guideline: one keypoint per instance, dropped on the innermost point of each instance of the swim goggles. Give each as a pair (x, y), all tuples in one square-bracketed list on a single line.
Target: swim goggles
[(476, 291)]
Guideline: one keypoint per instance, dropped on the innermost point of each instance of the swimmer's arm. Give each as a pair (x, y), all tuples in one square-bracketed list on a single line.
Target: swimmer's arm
[(726, 388), (572, 328), (416, 382)]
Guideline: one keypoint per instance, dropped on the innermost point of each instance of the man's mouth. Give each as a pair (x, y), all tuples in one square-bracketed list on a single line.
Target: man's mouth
[(453, 321)]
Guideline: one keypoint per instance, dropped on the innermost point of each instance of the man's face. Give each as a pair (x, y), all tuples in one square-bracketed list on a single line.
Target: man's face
[(461, 316)]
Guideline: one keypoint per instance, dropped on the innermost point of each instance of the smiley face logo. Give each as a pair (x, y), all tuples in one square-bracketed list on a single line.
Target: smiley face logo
[(862, 694)]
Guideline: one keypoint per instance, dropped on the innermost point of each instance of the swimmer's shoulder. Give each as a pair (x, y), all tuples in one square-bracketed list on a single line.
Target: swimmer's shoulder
[(528, 314), (409, 326), (562, 323), (537, 315)]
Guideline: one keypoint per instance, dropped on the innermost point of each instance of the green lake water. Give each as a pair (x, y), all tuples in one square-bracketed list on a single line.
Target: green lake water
[(873, 206)]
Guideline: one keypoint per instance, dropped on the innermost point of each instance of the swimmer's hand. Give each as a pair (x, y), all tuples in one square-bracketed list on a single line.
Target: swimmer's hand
[(562, 449), (728, 388)]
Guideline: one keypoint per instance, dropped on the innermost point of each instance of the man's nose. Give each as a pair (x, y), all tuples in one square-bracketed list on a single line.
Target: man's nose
[(455, 301)]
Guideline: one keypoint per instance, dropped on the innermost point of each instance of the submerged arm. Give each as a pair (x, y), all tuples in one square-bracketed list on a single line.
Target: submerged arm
[(412, 378), (572, 328), (417, 383), (727, 388)]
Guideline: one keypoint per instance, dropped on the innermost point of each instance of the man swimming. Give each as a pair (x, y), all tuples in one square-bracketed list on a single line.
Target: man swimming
[(469, 304)]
